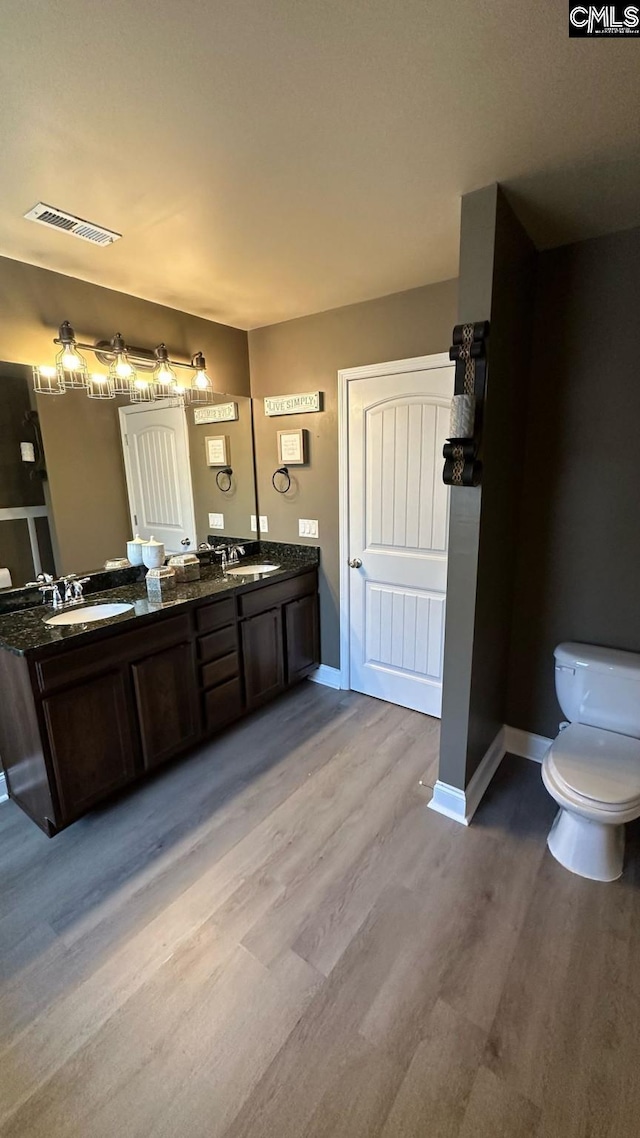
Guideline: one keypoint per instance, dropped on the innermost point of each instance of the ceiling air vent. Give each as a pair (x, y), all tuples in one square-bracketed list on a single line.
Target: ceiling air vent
[(77, 226)]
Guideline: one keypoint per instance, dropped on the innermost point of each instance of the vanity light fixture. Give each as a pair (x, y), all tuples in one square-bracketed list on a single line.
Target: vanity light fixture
[(70, 365), (164, 376), (124, 378), (121, 371)]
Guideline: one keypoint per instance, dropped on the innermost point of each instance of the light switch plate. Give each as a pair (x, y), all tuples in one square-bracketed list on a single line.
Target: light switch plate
[(307, 527), (216, 521), (264, 523), (254, 523)]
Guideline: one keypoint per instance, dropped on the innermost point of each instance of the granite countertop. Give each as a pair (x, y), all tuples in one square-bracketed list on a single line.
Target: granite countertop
[(26, 632)]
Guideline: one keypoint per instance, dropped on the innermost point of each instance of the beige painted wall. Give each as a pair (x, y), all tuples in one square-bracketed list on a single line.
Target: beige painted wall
[(81, 437), (305, 355)]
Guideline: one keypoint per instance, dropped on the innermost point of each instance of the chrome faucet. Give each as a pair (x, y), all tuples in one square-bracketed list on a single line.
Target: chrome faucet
[(234, 552), (221, 552), (71, 584)]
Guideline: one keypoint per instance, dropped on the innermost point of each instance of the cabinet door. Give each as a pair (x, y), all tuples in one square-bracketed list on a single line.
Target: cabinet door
[(92, 741), (263, 656), (301, 637), (165, 690)]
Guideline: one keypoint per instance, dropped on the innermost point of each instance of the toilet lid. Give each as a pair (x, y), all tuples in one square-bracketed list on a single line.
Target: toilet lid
[(599, 765)]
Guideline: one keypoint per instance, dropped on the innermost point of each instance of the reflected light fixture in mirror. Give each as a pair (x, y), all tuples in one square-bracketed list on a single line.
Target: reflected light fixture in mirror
[(121, 371), (70, 365), (46, 381), (141, 391), (100, 387)]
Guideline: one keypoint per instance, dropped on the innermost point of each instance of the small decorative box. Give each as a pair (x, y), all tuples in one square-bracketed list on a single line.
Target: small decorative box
[(161, 583), (186, 566)]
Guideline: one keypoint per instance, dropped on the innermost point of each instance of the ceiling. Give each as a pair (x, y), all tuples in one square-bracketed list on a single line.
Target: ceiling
[(265, 159)]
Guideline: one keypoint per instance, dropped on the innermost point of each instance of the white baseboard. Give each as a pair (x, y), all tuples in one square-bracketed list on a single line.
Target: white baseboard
[(526, 744), (461, 805), (329, 677), (3, 787)]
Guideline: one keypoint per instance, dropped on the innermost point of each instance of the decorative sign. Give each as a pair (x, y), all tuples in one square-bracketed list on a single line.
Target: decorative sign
[(292, 448), (293, 404), (218, 413), (217, 450)]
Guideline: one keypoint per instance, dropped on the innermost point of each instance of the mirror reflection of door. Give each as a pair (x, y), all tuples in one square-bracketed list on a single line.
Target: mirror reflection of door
[(156, 457)]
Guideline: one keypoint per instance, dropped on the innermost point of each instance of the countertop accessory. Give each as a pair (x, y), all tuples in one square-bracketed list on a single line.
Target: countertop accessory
[(134, 550), (153, 553), (283, 482), (161, 583), (186, 566), (223, 479), (117, 563)]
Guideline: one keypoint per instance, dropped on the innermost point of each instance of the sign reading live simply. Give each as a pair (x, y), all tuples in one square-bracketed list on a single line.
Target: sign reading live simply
[(293, 404), (218, 413)]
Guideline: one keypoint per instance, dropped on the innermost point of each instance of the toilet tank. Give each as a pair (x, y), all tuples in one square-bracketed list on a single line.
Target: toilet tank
[(599, 687)]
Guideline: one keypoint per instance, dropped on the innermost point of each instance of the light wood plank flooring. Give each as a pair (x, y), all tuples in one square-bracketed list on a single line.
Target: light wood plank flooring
[(275, 937)]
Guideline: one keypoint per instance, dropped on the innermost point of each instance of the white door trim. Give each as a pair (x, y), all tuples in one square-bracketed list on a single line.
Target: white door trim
[(345, 377), (135, 409)]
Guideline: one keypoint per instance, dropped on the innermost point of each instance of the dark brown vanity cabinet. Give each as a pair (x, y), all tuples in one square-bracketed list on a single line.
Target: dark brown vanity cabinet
[(95, 714), (92, 741)]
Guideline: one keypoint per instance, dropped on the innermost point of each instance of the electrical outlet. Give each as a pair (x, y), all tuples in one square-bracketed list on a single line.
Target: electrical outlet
[(254, 523), (216, 521), (264, 523), (307, 527)]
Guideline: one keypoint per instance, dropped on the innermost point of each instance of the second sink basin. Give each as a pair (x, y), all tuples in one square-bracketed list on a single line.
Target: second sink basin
[(251, 570), (89, 613)]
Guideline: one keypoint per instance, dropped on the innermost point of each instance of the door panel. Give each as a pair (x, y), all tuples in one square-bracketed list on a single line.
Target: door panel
[(165, 689), (91, 740), (398, 520)]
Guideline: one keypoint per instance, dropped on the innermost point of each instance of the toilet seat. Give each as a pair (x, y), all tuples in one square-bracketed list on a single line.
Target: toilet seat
[(595, 768)]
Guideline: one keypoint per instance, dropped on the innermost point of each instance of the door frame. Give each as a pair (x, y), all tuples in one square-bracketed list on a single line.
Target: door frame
[(345, 377), (137, 409)]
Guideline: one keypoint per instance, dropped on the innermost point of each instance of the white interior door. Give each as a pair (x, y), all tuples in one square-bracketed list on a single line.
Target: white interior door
[(156, 457), (398, 532)]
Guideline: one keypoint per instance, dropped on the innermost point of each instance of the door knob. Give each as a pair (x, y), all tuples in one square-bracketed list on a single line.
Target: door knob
[(355, 563)]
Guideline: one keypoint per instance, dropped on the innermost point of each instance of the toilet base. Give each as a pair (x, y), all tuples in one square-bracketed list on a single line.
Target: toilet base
[(590, 849)]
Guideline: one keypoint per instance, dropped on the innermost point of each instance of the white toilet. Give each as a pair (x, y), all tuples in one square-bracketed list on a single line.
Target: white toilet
[(592, 768)]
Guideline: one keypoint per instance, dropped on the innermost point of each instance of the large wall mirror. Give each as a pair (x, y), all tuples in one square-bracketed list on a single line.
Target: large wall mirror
[(114, 469)]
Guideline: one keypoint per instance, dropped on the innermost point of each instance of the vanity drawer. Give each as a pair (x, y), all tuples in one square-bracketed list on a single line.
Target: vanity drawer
[(219, 670), (217, 644), (77, 663), (222, 704), (269, 596), (216, 615)]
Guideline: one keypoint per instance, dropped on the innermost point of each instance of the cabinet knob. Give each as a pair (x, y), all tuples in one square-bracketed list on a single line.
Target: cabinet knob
[(355, 563)]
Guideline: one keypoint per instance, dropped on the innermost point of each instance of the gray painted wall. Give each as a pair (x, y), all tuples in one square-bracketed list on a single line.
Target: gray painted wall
[(579, 535), (497, 268)]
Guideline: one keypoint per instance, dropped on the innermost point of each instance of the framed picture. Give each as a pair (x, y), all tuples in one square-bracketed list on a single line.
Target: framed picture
[(292, 447), (217, 450)]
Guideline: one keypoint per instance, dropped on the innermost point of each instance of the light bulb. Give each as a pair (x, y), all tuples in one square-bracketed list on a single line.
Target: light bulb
[(140, 383), (202, 380), (47, 372), (71, 360), (122, 367)]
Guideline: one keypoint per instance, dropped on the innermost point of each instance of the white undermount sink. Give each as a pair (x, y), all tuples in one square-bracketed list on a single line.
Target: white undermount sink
[(89, 613), (250, 570)]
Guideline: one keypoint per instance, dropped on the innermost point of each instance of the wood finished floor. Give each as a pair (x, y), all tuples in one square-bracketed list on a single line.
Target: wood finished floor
[(277, 938)]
